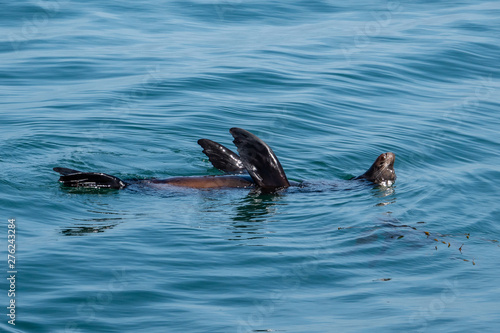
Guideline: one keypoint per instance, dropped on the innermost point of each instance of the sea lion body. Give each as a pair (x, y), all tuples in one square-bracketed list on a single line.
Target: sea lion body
[(255, 166), (222, 181)]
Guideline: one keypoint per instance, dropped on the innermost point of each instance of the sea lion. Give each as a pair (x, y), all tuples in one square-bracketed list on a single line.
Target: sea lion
[(255, 166)]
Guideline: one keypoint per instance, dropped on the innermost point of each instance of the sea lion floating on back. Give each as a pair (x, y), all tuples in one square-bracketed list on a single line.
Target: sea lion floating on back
[(255, 166)]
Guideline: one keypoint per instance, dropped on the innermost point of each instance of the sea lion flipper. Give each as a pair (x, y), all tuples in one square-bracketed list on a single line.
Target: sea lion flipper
[(74, 178), (65, 171), (259, 160), (221, 157)]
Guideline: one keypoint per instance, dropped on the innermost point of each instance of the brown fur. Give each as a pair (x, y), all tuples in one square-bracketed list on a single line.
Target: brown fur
[(207, 182)]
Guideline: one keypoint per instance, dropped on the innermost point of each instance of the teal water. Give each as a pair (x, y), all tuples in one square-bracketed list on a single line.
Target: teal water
[(128, 88)]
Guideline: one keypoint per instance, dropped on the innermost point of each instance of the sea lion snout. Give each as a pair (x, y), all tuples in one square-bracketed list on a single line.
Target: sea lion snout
[(390, 158), (386, 172)]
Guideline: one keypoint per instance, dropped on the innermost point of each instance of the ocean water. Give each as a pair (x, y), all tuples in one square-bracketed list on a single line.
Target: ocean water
[(127, 88)]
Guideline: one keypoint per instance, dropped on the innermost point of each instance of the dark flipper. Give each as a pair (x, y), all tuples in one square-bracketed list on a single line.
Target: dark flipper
[(74, 178), (66, 171), (259, 160), (221, 157)]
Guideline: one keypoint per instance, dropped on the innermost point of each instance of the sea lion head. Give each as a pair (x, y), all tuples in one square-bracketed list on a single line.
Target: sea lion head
[(382, 170)]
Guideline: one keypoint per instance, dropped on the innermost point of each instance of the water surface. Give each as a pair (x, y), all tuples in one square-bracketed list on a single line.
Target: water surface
[(128, 88)]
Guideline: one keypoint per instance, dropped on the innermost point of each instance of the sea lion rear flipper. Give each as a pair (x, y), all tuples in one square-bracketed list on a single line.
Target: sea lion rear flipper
[(74, 178), (259, 160), (221, 157)]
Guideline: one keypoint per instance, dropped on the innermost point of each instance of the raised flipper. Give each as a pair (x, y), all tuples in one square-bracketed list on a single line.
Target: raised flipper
[(66, 171), (221, 157), (75, 178), (259, 160)]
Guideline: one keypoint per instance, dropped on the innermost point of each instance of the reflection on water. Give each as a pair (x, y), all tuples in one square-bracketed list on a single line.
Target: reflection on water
[(252, 214), (386, 194), (257, 207), (91, 228), (384, 191), (94, 225)]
